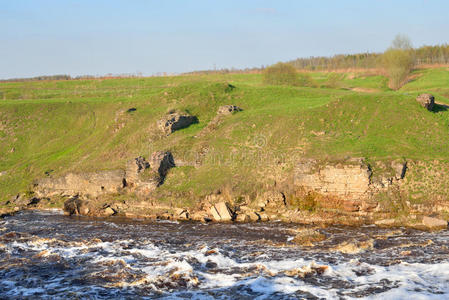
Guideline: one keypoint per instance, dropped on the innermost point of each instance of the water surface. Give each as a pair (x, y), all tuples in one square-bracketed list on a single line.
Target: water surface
[(51, 256)]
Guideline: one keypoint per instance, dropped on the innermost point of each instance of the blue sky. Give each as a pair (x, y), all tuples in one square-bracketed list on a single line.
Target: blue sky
[(42, 37)]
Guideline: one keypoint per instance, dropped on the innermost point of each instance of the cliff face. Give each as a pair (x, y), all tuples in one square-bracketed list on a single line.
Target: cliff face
[(350, 180), (88, 184)]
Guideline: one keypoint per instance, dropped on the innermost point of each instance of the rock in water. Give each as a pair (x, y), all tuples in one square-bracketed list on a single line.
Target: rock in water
[(76, 206), (175, 121), (427, 101)]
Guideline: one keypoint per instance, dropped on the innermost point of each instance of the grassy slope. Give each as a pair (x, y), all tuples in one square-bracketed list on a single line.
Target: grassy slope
[(61, 126)]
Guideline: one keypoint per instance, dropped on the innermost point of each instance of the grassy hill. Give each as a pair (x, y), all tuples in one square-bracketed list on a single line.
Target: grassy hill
[(55, 127)]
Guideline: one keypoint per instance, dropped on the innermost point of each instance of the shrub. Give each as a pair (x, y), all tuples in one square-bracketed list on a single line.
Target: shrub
[(398, 61), (281, 74), (334, 80)]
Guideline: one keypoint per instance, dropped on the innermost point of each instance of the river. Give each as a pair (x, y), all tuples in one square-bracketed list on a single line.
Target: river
[(46, 255)]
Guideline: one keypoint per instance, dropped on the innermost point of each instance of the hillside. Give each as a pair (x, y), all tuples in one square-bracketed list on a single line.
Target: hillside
[(51, 128)]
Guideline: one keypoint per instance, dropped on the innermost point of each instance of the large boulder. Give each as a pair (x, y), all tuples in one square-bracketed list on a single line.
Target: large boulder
[(175, 121), (228, 109), (427, 101)]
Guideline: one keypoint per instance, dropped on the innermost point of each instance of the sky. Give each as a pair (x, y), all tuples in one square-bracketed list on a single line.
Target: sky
[(97, 37)]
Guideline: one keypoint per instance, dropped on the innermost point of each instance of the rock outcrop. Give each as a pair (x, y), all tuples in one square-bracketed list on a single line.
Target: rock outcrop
[(140, 175), (175, 121), (427, 101), (161, 162), (349, 179), (228, 109), (86, 184), (144, 176)]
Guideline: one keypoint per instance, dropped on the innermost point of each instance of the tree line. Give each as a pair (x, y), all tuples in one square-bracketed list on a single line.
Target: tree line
[(424, 55)]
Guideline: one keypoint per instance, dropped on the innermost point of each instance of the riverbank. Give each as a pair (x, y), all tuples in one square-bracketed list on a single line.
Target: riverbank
[(227, 147)]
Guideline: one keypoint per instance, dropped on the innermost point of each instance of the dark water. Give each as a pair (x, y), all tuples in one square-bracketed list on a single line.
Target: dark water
[(51, 256)]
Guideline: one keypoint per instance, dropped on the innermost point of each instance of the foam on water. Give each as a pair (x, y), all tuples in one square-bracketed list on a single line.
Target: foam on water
[(48, 255)]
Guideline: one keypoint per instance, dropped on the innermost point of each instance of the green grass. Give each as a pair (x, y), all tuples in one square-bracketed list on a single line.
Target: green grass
[(82, 125)]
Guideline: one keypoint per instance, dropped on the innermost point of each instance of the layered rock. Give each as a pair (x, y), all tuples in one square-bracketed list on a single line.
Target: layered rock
[(349, 179), (87, 184)]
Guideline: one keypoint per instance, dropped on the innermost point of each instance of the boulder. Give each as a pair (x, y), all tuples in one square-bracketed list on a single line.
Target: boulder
[(76, 206), (175, 121), (427, 101), (242, 218), (434, 223), (228, 109), (221, 212), (108, 211), (161, 162)]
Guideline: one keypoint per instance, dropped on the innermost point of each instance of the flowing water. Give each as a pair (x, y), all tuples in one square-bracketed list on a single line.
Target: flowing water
[(51, 256)]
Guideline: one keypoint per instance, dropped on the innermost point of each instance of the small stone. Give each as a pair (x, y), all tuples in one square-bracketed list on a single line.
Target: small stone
[(109, 212)]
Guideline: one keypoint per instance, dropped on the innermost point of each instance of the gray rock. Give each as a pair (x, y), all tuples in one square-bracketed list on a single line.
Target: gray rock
[(175, 121), (161, 162), (427, 101)]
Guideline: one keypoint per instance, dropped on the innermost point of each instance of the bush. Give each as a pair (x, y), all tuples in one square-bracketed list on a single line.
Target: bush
[(305, 79), (281, 74), (398, 61), (334, 80)]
